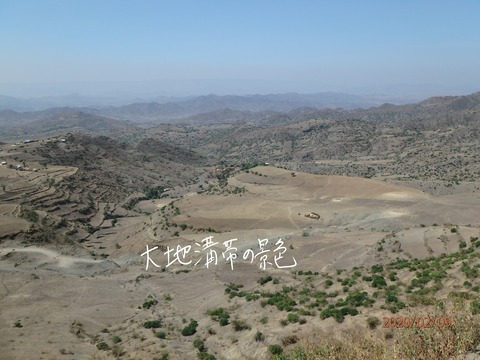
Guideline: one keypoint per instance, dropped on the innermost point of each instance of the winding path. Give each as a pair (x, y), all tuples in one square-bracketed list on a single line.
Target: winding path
[(64, 261)]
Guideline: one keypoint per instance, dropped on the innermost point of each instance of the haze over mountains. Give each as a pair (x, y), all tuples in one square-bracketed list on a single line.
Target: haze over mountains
[(258, 110), (193, 104)]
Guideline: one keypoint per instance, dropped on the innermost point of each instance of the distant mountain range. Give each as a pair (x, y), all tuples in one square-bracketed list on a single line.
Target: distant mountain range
[(74, 100), (251, 103), (180, 107), (258, 110)]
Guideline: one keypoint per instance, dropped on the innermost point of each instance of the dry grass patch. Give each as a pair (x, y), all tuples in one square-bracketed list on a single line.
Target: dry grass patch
[(460, 338)]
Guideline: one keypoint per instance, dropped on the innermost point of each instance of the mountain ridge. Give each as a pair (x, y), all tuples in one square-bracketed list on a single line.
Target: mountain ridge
[(427, 114)]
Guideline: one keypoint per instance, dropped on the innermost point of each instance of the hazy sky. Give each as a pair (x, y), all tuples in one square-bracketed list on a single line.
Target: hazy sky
[(192, 47)]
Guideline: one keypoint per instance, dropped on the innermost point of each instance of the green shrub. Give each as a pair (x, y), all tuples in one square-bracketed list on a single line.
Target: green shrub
[(18, 324), (149, 303), (259, 336), (475, 307), (103, 346), (233, 288), (391, 298), (161, 334), (153, 324), (164, 356), (338, 314), (154, 192), (116, 339), (378, 281), (190, 329), (358, 298), (239, 325), (224, 321), (62, 223), (348, 311), (392, 276), (199, 344), (275, 349), (30, 215), (205, 356), (293, 318), (220, 315), (264, 280)]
